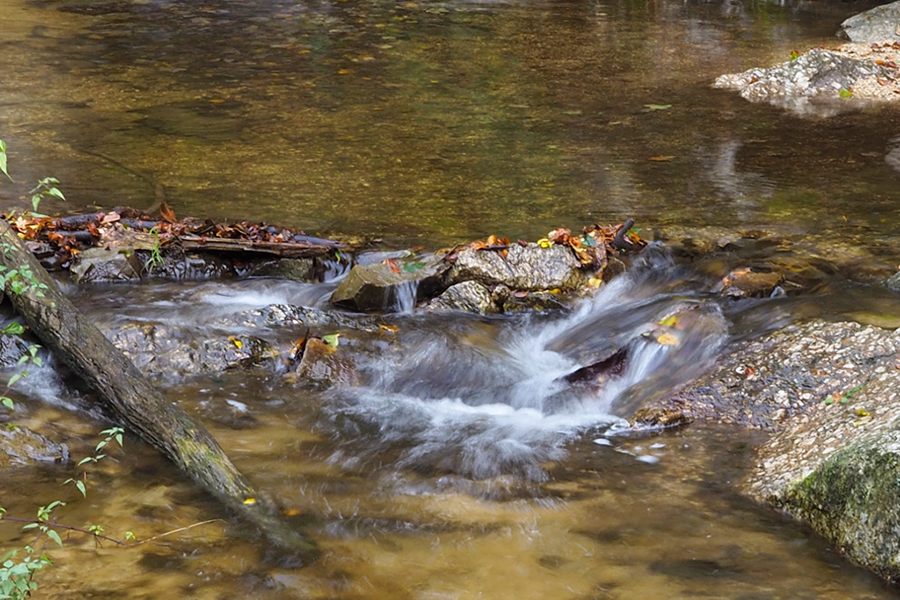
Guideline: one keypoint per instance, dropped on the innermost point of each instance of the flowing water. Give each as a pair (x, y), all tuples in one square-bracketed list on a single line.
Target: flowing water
[(464, 461)]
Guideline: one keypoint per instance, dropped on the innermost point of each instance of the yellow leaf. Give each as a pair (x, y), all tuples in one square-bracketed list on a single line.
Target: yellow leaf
[(544, 243), (667, 339), (390, 328), (344, 71), (249, 501), (862, 413), (594, 282), (237, 343), (669, 321)]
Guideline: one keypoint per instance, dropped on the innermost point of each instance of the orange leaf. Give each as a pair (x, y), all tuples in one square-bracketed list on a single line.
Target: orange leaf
[(167, 213), (392, 265), (662, 158)]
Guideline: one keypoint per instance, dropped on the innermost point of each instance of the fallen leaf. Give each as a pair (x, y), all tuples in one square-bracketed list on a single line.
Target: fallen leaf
[(667, 339), (167, 213), (331, 339), (393, 265), (662, 158), (237, 343), (658, 106)]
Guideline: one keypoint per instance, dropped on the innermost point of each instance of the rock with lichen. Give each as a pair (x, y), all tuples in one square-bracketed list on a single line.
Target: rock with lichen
[(526, 268)]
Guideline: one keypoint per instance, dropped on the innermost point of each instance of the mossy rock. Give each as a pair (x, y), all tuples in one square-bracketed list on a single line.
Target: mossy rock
[(853, 499)]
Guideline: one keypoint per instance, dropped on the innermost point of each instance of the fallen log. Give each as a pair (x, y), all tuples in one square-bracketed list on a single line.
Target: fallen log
[(302, 249), (63, 329)]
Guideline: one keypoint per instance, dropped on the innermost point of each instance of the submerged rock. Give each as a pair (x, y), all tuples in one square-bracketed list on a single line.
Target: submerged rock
[(879, 24), (20, 446), (323, 366)]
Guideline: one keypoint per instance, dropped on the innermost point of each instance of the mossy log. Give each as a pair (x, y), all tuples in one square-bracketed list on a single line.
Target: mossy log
[(63, 329)]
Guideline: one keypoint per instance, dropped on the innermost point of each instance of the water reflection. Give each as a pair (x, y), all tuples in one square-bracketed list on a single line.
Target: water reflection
[(446, 121)]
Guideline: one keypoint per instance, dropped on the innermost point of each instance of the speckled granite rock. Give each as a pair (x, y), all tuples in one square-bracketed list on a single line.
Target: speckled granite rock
[(830, 395), (818, 73), (879, 24), (527, 268)]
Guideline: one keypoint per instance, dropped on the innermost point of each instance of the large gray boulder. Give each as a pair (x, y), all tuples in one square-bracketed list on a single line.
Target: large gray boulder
[(880, 24), (526, 268), (817, 74)]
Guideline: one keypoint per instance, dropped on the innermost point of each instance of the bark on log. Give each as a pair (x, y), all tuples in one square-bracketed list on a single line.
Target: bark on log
[(63, 329), (280, 249)]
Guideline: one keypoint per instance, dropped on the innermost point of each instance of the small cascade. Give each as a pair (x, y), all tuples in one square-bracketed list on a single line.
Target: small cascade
[(484, 398)]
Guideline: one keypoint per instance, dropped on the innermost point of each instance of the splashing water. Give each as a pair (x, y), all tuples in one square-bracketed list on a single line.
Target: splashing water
[(484, 398)]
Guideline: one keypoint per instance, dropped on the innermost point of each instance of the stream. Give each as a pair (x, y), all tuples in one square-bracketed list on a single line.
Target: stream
[(458, 461)]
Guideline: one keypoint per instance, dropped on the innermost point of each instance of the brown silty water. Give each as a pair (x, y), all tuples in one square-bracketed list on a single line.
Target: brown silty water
[(455, 468)]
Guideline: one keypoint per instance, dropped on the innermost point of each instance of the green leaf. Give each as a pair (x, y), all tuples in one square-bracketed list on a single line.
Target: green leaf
[(80, 485), (658, 106), (54, 536), (29, 526), (413, 267), (845, 93), (331, 339), (13, 328), (12, 380), (7, 402)]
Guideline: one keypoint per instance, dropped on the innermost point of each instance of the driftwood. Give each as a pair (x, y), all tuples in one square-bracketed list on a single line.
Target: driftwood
[(62, 328), (280, 249)]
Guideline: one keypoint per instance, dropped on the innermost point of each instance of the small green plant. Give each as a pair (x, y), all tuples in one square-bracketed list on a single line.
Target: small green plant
[(156, 259), (46, 187)]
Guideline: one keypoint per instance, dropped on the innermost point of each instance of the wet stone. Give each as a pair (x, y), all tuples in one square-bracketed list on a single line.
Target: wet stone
[(391, 286), (752, 285), (468, 296), (527, 268), (295, 269), (21, 446), (322, 366), (96, 265)]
